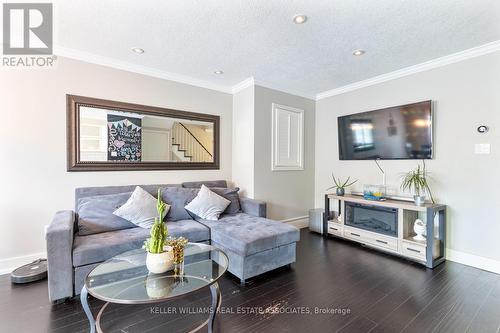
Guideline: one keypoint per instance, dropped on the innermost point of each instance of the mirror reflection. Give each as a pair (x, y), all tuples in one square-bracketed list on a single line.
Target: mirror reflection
[(116, 136)]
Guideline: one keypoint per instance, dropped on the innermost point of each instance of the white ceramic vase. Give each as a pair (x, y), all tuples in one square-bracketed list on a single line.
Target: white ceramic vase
[(158, 263)]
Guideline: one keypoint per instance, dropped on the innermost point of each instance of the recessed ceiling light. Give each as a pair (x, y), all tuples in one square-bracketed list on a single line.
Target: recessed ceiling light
[(137, 50), (299, 19), (358, 53), (218, 72)]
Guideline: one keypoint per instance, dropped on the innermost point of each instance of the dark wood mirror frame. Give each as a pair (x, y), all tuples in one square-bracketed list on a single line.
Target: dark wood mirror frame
[(73, 136)]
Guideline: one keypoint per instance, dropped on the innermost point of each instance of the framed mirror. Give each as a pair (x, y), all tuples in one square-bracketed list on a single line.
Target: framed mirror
[(105, 135)]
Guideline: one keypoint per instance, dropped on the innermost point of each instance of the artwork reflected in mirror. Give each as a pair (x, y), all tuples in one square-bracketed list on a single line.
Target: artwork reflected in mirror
[(126, 136)]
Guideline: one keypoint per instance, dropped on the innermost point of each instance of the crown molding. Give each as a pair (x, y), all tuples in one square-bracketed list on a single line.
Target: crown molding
[(284, 90), (248, 82), (134, 68), (251, 81), (425, 66)]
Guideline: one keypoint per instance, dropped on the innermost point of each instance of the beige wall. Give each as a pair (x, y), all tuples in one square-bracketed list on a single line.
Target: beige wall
[(243, 141), (33, 174), (289, 194), (466, 94)]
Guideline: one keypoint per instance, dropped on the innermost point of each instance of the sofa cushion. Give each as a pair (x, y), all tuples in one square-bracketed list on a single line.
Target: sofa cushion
[(178, 198), (230, 194), (83, 192), (208, 204), (140, 209), (99, 247), (207, 183), (246, 234), (95, 214)]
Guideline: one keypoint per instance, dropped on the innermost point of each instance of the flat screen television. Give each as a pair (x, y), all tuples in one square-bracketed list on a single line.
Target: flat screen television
[(400, 132)]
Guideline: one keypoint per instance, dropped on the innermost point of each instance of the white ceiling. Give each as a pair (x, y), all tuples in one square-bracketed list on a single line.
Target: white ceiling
[(188, 40)]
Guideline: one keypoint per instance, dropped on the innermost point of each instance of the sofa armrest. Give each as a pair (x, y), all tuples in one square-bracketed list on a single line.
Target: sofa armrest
[(59, 238), (253, 207)]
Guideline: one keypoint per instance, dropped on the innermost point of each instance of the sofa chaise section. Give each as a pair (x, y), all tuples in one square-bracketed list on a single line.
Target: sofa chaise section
[(254, 244)]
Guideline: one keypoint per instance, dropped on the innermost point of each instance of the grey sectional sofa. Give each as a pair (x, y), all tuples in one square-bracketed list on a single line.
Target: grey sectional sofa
[(253, 243)]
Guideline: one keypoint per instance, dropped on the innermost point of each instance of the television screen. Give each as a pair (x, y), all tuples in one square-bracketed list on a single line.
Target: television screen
[(401, 132)]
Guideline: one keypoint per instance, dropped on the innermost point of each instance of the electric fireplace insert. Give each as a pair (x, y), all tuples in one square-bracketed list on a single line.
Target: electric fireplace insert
[(377, 219)]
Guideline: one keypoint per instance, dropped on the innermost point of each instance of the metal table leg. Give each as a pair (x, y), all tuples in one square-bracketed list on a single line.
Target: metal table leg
[(216, 300), (86, 308)]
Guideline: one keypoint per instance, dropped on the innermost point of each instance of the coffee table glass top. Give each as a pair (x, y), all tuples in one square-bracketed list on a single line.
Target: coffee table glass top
[(125, 278)]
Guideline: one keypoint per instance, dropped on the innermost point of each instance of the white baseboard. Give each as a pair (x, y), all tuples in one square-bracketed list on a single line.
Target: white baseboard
[(468, 259), (299, 222), (9, 264)]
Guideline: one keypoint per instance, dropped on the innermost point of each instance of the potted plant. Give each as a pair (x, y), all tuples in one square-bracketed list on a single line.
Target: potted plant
[(416, 182), (340, 186), (159, 257)]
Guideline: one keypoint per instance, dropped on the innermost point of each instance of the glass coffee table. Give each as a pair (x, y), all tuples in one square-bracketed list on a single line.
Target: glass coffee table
[(124, 279)]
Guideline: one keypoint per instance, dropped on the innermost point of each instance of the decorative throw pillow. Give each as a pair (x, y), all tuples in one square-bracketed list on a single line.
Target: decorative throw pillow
[(95, 213), (230, 194), (177, 198), (140, 209), (207, 204)]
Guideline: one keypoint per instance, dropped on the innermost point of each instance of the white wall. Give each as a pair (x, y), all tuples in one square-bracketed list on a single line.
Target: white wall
[(466, 94), (243, 141), (33, 174), (289, 194)]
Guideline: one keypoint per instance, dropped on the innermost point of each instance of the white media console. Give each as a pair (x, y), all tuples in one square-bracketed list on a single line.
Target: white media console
[(388, 226)]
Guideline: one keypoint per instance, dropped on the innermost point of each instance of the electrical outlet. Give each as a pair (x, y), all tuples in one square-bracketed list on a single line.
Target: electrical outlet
[(482, 148)]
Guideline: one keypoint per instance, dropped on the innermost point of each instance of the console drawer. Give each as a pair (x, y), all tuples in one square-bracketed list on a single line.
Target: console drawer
[(417, 251), (335, 228), (385, 242), (371, 238), (355, 234)]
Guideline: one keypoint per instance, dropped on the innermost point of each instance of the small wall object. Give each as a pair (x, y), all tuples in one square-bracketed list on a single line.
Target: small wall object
[(374, 192), (483, 129), (419, 228)]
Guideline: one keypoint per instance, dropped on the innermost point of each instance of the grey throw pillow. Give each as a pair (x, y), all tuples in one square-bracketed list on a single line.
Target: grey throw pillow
[(230, 194), (140, 209), (177, 198), (95, 214)]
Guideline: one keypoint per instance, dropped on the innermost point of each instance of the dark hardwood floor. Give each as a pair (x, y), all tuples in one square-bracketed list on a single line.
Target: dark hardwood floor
[(335, 286)]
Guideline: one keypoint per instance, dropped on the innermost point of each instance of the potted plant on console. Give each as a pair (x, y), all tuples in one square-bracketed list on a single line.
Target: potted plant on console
[(159, 257), (340, 186), (416, 181)]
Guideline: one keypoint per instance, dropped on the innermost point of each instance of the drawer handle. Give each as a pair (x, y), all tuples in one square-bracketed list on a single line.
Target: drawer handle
[(381, 241), (334, 228), (357, 235), (413, 250)]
